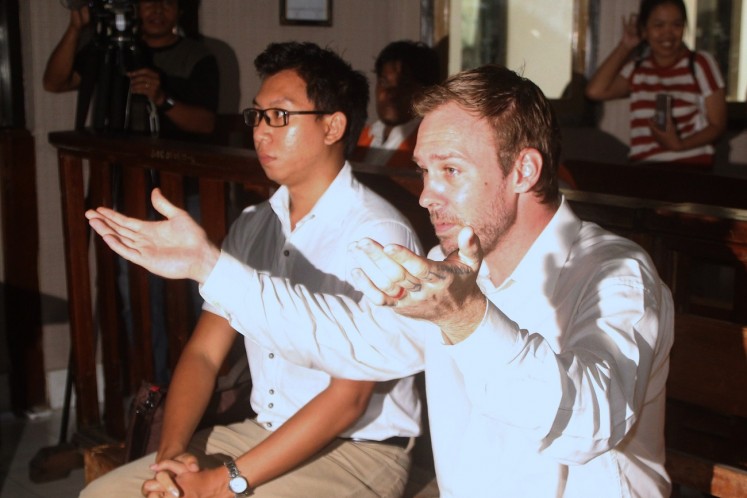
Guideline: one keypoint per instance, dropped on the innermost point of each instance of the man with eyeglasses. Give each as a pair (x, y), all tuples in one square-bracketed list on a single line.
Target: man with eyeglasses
[(313, 435)]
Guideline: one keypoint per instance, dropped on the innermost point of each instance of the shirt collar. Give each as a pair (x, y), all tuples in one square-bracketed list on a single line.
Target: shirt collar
[(397, 134), (338, 194), (538, 271)]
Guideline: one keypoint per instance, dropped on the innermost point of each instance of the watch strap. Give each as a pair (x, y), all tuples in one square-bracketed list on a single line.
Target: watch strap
[(168, 104), (233, 473)]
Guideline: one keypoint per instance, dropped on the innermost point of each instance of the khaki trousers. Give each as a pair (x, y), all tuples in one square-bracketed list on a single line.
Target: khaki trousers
[(343, 469)]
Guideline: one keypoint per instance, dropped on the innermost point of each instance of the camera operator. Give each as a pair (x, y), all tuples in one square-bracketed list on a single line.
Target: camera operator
[(180, 77), (128, 58)]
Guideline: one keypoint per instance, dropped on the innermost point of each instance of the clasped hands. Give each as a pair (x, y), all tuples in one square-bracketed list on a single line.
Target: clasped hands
[(181, 476), (443, 292)]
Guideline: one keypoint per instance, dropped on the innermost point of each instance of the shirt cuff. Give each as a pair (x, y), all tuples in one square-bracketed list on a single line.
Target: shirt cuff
[(495, 340)]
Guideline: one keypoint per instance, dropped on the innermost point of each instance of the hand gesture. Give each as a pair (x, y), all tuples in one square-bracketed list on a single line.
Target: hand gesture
[(631, 37), (442, 292), (176, 247), (80, 18)]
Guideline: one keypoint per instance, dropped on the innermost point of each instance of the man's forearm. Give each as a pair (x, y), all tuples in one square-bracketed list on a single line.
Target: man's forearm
[(58, 74), (188, 397)]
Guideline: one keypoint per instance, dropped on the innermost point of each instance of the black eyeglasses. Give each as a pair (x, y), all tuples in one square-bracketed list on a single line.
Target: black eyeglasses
[(277, 118)]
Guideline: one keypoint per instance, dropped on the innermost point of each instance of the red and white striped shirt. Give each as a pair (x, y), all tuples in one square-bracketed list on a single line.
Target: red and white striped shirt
[(689, 83)]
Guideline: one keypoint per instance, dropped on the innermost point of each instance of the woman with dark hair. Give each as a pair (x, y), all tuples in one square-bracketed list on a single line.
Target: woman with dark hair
[(677, 98)]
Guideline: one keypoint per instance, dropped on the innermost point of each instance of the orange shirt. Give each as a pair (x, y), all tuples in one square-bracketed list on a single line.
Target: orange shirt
[(396, 151)]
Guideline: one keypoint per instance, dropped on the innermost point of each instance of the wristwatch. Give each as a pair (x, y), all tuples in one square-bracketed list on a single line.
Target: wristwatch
[(168, 104), (236, 482)]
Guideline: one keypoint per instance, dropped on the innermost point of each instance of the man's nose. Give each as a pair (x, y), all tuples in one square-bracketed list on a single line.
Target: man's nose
[(432, 194), (261, 132)]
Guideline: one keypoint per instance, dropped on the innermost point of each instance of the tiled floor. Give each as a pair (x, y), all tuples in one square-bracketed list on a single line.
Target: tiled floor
[(20, 441)]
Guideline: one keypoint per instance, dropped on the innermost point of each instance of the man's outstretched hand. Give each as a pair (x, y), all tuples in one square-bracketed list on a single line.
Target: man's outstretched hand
[(176, 247), (443, 292)]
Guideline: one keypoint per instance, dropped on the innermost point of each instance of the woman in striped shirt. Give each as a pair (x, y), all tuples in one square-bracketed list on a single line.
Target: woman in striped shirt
[(691, 80)]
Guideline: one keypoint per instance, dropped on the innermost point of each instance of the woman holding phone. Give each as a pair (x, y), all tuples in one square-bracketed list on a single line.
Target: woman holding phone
[(652, 65)]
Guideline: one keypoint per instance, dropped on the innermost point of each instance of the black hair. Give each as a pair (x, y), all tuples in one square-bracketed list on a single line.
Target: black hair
[(647, 7), (419, 61), (331, 83)]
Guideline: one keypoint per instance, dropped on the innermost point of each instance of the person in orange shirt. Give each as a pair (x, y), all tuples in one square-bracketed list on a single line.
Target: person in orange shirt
[(403, 68)]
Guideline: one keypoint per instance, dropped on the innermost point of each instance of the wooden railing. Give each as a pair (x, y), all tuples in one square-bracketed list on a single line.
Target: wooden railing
[(88, 164), (686, 241), (673, 183)]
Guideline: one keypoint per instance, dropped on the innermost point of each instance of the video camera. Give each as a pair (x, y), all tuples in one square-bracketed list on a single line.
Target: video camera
[(116, 29)]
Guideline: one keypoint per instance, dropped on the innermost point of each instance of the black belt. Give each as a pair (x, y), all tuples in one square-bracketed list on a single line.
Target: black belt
[(398, 441)]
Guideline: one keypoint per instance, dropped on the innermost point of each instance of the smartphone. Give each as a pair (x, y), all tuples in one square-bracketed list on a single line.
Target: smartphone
[(663, 111)]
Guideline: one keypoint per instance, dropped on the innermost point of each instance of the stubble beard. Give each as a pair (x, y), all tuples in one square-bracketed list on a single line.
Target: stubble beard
[(489, 227)]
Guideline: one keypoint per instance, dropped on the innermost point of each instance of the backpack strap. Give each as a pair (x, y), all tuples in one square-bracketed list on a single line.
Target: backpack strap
[(691, 65)]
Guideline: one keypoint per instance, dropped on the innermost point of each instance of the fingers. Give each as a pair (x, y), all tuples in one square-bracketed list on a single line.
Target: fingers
[(162, 205), (119, 239), (470, 251), (415, 266), (165, 480), (117, 221), (153, 489), (145, 81), (372, 293), (124, 250), (190, 461), (162, 483), (159, 201), (383, 272)]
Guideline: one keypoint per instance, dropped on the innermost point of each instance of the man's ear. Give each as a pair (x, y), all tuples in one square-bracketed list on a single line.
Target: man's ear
[(336, 124), (527, 169)]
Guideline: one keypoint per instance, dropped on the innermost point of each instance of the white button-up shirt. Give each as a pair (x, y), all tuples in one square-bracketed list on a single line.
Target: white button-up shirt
[(315, 254), (559, 392)]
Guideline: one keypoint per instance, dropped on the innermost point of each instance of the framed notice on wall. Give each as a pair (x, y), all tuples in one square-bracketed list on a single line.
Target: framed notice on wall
[(306, 12)]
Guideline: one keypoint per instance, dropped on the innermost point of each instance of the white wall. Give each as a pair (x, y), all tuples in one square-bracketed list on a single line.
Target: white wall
[(615, 118), (538, 51), (360, 29)]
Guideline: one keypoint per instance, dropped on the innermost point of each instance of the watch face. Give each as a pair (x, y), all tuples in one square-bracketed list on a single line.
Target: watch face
[(238, 484)]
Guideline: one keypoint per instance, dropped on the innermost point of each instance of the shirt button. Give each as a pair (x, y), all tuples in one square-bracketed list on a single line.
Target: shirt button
[(270, 405), (268, 425), (286, 252), (271, 355), (272, 391)]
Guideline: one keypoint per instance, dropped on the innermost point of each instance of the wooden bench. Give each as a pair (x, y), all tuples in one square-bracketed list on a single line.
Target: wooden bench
[(706, 424), (706, 421)]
